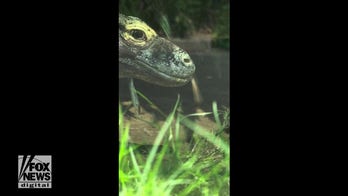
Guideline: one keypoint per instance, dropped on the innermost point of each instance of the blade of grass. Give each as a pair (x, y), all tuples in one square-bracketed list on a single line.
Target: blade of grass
[(206, 134), (154, 106), (157, 142)]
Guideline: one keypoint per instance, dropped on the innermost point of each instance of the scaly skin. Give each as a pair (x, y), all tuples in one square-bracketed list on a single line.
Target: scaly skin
[(146, 56)]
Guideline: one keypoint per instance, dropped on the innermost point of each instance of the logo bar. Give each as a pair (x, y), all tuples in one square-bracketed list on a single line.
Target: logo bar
[(34, 171)]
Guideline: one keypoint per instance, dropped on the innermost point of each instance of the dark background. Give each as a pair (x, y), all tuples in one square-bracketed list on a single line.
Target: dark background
[(59, 95), (182, 19)]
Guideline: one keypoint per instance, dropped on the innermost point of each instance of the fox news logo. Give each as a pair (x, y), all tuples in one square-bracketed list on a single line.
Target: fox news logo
[(35, 171)]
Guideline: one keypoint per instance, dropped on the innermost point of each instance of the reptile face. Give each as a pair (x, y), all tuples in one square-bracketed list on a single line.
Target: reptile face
[(146, 56)]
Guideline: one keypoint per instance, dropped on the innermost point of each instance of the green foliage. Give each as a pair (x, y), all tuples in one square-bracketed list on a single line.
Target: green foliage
[(201, 168), (222, 29), (184, 17)]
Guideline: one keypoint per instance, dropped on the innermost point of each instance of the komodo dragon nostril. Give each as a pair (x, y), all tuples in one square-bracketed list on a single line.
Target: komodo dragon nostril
[(187, 60)]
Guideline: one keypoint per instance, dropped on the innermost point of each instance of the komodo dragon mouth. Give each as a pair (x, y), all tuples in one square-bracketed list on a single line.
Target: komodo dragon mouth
[(146, 56)]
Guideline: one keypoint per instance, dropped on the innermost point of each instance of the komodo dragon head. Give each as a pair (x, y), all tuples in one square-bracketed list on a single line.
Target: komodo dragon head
[(146, 56)]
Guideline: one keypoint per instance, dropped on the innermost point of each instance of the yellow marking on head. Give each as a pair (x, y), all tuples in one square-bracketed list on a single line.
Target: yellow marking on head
[(136, 31)]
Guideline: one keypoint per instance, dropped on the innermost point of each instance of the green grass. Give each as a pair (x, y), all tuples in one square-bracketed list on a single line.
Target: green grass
[(200, 167)]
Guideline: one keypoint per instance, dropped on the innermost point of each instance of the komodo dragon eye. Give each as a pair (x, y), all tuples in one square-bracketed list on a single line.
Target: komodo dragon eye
[(138, 34)]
